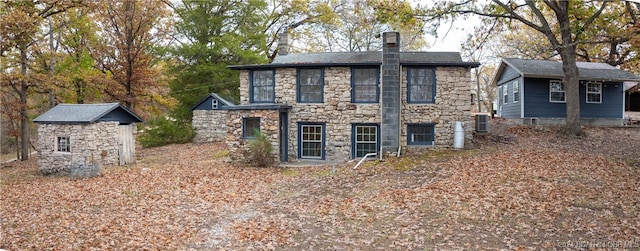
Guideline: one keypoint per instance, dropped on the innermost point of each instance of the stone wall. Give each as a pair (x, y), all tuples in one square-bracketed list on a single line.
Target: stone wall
[(268, 126), (95, 143), (210, 125), (452, 103)]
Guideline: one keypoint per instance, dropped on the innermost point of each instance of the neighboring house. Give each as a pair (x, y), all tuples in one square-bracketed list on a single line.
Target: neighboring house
[(532, 92), (76, 133), (344, 105)]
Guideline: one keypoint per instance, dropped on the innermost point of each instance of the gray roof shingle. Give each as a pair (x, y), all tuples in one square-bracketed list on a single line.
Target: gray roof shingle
[(87, 113), (361, 58), (553, 69)]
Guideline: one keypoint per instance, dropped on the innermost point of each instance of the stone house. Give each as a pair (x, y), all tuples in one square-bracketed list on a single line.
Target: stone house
[(69, 134), (343, 105)]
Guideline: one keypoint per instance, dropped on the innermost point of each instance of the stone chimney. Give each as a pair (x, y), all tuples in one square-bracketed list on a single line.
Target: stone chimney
[(390, 100), (283, 43)]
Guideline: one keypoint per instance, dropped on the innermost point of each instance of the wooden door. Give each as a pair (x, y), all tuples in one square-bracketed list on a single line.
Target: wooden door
[(127, 147)]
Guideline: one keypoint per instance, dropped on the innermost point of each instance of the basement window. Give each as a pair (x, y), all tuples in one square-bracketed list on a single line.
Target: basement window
[(63, 144), (250, 127), (420, 134)]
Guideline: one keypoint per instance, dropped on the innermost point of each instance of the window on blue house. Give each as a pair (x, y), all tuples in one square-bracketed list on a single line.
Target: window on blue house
[(505, 94), (421, 85), (594, 92), (365, 139), (420, 134), (262, 86), (516, 92), (364, 85), (556, 92), (310, 85), (250, 126)]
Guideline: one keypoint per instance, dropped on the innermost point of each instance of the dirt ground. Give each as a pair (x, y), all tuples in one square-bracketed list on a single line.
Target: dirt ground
[(516, 188)]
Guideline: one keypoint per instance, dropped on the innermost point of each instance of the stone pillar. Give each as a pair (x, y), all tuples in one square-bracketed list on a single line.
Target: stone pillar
[(390, 100)]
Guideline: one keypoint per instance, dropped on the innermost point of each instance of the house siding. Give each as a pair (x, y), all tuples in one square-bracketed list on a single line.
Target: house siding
[(537, 103), (510, 109)]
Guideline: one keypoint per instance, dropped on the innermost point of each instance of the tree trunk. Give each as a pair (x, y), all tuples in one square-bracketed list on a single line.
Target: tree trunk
[(567, 50), (24, 116)]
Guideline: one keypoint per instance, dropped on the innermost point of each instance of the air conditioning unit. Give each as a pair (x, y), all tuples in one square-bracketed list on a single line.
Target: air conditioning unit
[(482, 123)]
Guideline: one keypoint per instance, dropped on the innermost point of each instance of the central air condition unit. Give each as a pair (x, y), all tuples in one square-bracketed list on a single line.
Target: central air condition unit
[(482, 123)]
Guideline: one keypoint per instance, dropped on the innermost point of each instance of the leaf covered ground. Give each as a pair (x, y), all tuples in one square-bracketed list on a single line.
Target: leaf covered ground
[(519, 187)]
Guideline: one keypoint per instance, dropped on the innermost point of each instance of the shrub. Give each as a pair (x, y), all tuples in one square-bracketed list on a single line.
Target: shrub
[(259, 151), (166, 131)]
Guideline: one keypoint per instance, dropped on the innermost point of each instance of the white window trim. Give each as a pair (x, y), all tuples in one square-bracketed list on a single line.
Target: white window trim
[(563, 91), (516, 92), (587, 92), (302, 140), (375, 141), (505, 94)]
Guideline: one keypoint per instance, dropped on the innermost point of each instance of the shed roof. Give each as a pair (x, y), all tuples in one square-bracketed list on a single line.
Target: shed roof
[(216, 96), (361, 58), (87, 113), (553, 69)]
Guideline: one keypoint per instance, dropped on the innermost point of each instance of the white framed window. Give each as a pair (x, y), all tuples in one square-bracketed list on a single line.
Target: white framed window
[(63, 144), (516, 92), (365, 139), (556, 92), (311, 140), (505, 94), (594, 92)]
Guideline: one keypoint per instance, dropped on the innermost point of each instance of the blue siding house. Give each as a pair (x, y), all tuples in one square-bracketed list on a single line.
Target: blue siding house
[(532, 92)]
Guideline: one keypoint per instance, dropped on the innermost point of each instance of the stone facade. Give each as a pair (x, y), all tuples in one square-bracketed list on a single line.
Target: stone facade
[(234, 138), (452, 103), (95, 143), (210, 125)]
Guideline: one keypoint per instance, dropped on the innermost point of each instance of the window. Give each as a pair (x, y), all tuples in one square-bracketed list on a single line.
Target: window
[(420, 134), (556, 92), (262, 86), (214, 103), (311, 141), (516, 92), (364, 85), (505, 94), (250, 126), (63, 144), (310, 85), (594, 92), (365, 139), (421, 85)]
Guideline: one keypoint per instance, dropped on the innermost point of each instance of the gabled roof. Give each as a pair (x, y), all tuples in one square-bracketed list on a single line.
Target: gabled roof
[(553, 69), (369, 58), (216, 96), (87, 113)]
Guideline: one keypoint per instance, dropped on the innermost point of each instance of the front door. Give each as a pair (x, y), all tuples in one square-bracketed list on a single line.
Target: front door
[(284, 136), (127, 145)]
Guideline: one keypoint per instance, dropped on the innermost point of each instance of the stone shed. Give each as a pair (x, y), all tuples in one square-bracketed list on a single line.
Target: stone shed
[(72, 134)]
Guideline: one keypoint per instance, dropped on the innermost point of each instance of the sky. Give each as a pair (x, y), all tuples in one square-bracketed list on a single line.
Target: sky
[(450, 37)]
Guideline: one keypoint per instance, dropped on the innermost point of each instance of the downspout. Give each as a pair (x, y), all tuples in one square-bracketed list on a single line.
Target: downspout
[(400, 113), (380, 78)]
